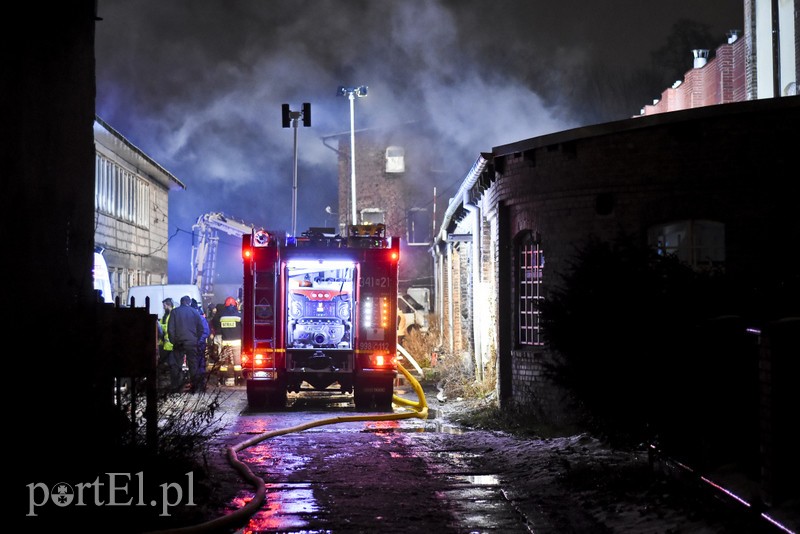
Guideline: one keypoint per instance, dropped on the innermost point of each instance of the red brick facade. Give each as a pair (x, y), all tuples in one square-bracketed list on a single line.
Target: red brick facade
[(720, 81), (732, 75)]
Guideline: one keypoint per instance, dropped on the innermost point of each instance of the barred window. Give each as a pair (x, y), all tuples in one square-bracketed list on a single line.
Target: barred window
[(120, 193), (531, 265)]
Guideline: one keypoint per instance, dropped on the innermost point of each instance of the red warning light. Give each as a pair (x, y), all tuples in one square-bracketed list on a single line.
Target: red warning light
[(247, 253)]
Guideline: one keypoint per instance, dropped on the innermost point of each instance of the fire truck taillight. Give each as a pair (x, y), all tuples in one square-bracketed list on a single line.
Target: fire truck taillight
[(263, 360), (382, 360)]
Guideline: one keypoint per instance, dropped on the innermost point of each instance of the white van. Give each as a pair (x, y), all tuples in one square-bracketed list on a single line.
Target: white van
[(158, 293)]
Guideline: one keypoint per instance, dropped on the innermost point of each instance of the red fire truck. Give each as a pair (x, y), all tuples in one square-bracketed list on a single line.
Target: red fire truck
[(320, 314)]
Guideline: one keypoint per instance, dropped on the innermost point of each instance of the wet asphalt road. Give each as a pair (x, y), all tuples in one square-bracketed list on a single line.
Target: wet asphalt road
[(359, 476)]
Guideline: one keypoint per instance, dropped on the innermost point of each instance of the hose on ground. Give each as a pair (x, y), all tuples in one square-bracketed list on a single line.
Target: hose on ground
[(419, 409)]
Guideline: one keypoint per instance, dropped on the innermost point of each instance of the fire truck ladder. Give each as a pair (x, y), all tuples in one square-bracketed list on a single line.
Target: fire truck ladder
[(265, 322)]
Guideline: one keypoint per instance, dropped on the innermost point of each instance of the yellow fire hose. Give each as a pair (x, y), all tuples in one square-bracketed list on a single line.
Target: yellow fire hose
[(419, 409)]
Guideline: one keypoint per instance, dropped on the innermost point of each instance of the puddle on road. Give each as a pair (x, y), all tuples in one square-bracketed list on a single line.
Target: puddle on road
[(292, 507), (448, 429), (449, 462), (456, 455), (482, 507), (288, 506), (481, 480), (409, 426), (265, 455)]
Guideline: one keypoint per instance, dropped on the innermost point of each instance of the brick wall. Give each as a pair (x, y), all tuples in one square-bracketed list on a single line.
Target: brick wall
[(725, 166), (394, 193), (732, 75), (722, 80), (720, 163)]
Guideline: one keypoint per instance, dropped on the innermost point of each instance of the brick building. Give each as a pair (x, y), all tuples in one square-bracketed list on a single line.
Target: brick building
[(716, 174), (715, 185), (396, 185)]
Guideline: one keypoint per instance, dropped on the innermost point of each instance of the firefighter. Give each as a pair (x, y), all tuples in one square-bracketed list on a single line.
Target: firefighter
[(230, 322), (164, 344)]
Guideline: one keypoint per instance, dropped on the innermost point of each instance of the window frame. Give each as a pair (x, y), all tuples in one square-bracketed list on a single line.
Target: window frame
[(699, 243), (120, 193), (529, 267)]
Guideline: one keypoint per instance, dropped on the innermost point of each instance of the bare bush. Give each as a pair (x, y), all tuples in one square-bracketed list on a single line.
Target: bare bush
[(187, 423), (422, 345), (455, 374)]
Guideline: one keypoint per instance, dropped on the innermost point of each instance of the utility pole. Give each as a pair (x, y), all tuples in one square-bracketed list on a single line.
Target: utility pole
[(292, 118)]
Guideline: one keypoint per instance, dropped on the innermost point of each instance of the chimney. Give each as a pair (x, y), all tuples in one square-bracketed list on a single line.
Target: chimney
[(700, 57), (733, 35)]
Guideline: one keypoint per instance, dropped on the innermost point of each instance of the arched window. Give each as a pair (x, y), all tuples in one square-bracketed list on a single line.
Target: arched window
[(530, 268)]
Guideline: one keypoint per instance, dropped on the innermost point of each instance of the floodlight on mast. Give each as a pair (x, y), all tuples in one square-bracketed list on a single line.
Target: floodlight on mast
[(352, 93)]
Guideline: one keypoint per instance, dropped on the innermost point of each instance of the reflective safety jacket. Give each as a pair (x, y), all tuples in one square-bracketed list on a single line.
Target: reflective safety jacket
[(231, 324), (165, 328)]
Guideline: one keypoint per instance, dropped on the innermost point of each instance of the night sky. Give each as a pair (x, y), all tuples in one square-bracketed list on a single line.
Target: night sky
[(198, 86)]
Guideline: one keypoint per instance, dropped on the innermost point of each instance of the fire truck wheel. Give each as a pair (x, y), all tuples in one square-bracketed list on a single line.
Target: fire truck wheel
[(362, 400), (257, 397), (383, 401), (375, 395), (277, 400)]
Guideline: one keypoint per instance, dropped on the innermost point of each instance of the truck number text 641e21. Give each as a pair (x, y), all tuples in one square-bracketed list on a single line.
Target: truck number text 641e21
[(376, 281)]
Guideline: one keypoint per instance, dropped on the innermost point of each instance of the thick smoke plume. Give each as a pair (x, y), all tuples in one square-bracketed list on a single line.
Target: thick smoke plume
[(198, 86)]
